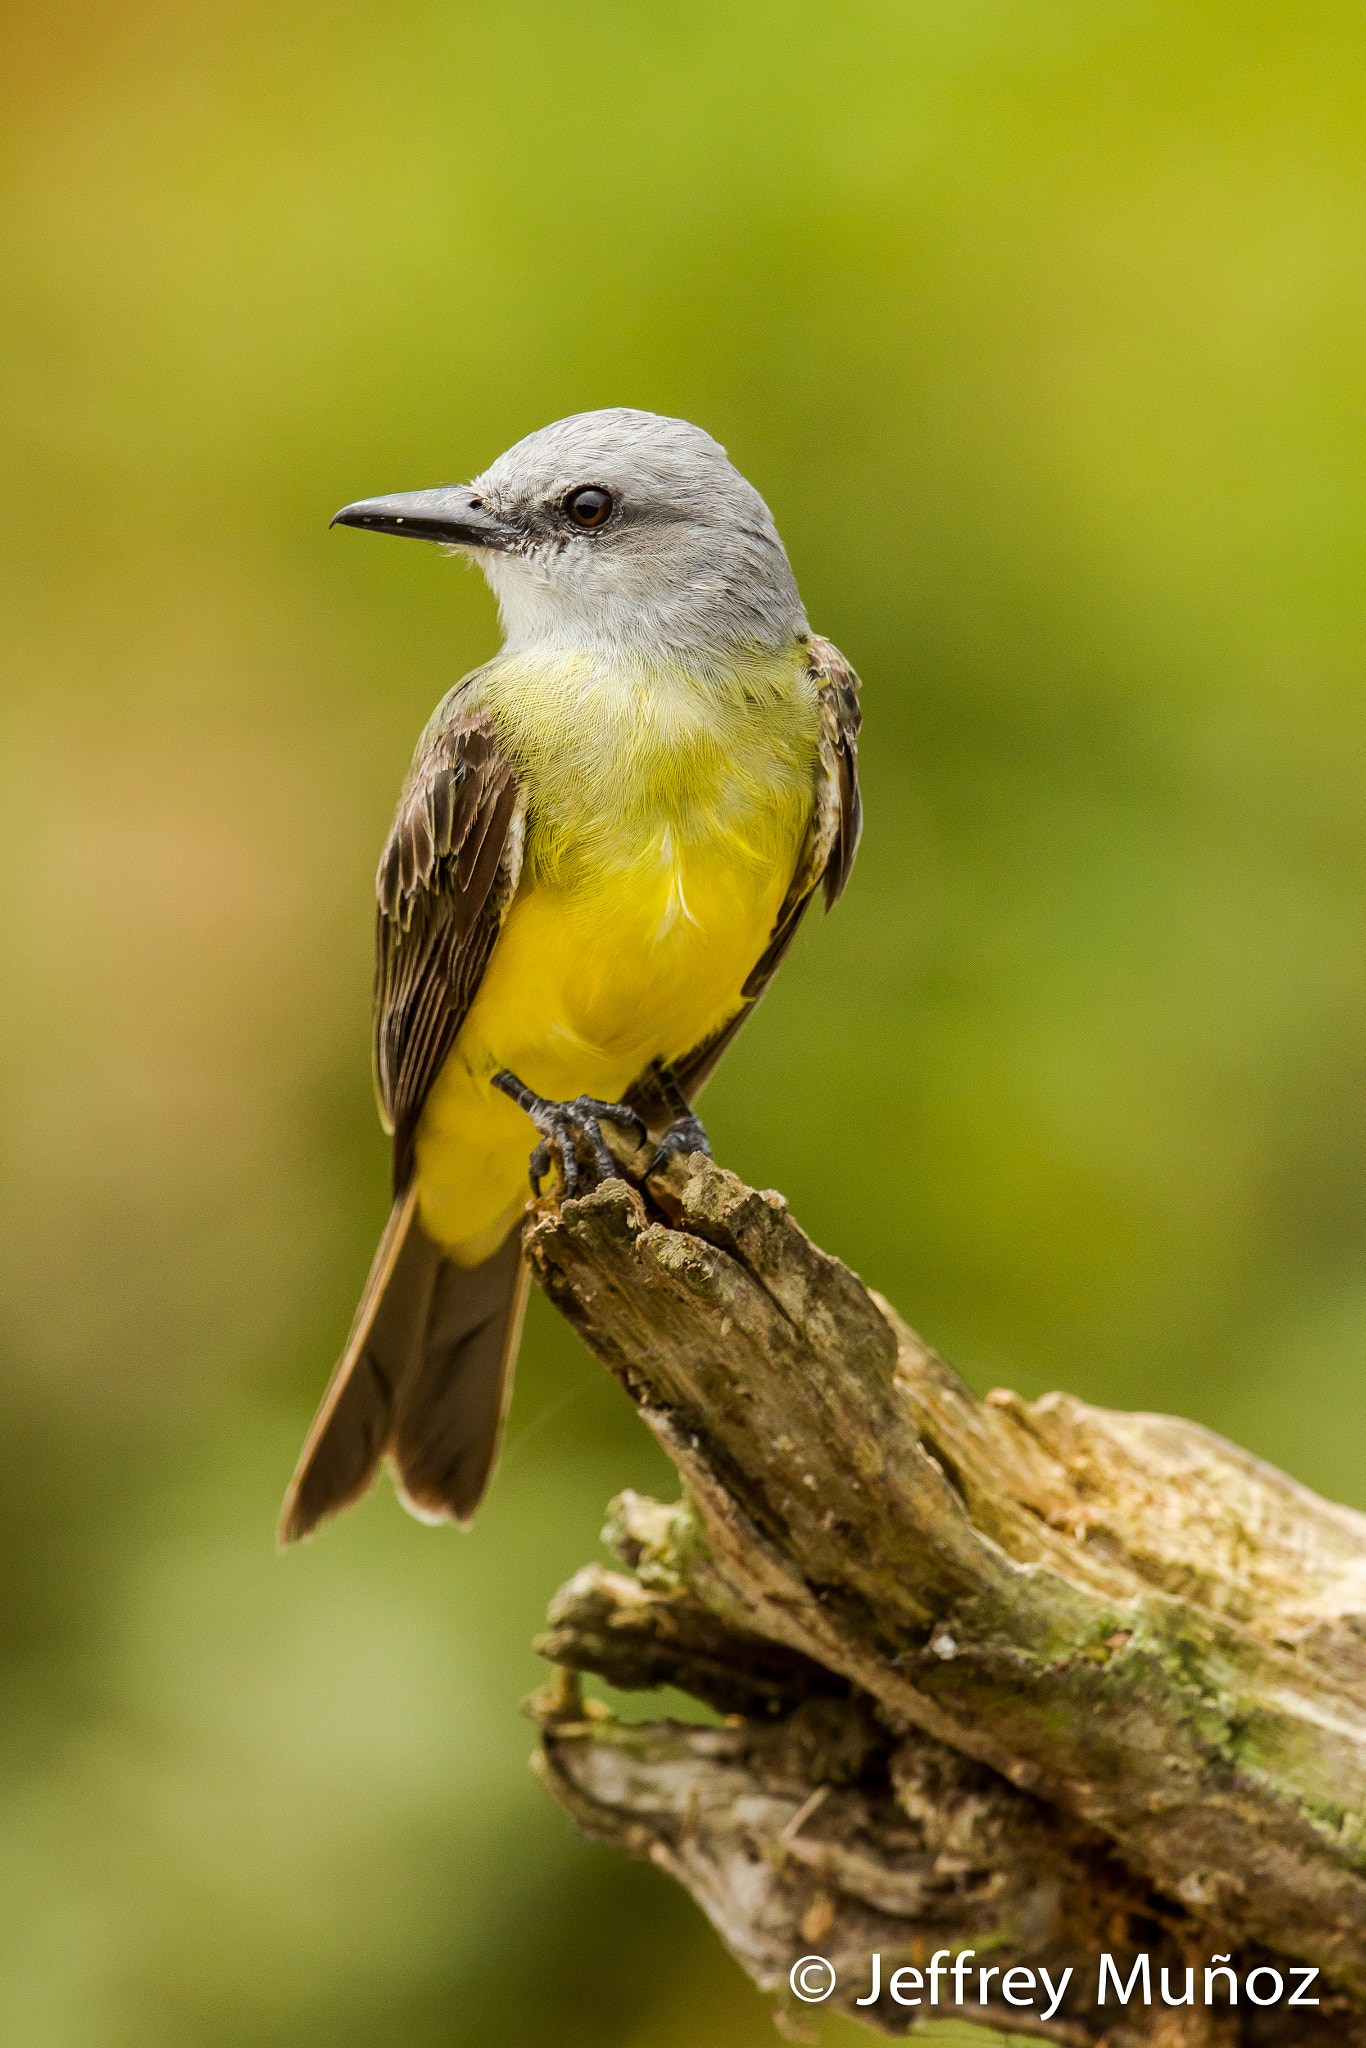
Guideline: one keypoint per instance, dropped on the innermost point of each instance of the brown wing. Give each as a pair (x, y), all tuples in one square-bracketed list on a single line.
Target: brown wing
[(825, 860), (445, 880), (426, 1371)]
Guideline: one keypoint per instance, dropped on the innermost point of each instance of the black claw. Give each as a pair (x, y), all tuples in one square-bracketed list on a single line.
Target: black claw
[(685, 1134), (569, 1158), (560, 1123)]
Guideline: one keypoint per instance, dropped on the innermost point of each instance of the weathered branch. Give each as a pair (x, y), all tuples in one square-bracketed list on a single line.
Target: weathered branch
[(1038, 1680)]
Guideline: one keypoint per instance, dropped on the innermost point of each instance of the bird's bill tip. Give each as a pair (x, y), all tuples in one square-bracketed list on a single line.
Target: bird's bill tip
[(451, 514)]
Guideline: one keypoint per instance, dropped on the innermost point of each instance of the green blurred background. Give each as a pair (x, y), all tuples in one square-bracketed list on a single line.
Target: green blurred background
[(1041, 328)]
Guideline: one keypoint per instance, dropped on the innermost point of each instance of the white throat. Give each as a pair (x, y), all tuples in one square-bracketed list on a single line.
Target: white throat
[(636, 608)]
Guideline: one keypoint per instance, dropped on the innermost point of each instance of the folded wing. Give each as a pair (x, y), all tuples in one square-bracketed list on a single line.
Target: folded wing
[(825, 861), (426, 1370)]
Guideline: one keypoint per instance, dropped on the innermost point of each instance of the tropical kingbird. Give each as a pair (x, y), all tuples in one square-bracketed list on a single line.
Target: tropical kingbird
[(605, 843)]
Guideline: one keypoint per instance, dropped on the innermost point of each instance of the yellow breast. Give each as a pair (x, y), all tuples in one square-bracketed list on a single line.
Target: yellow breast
[(665, 817)]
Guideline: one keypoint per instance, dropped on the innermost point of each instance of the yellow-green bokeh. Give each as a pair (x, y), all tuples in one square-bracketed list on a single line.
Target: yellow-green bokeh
[(1041, 327)]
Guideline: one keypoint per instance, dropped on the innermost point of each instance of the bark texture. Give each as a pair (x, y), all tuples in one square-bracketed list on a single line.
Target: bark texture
[(1034, 1679)]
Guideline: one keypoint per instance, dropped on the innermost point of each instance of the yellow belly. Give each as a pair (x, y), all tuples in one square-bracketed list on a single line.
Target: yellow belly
[(589, 982)]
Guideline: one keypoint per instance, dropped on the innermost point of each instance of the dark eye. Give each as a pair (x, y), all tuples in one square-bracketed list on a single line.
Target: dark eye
[(589, 507)]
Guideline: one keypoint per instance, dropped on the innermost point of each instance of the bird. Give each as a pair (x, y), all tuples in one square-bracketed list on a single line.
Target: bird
[(603, 848)]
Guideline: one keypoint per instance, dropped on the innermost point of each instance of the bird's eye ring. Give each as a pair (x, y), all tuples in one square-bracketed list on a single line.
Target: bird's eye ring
[(589, 506)]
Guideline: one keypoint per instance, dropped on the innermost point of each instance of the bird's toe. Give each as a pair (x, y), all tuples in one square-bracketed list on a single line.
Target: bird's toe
[(685, 1135)]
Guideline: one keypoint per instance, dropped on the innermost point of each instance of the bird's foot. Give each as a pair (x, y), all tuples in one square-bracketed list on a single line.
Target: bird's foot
[(563, 1125), (685, 1134)]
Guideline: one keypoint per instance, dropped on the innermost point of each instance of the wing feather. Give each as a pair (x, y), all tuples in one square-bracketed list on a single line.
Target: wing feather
[(445, 879), (825, 861)]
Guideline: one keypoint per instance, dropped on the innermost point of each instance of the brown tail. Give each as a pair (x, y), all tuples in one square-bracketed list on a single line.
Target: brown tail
[(424, 1380)]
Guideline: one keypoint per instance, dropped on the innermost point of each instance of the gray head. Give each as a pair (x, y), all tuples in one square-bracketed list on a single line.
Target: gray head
[(618, 531)]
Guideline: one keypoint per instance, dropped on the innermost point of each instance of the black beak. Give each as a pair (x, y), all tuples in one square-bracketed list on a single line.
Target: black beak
[(449, 512)]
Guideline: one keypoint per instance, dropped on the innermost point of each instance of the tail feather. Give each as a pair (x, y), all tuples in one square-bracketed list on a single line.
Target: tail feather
[(424, 1379), (451, 1403)]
